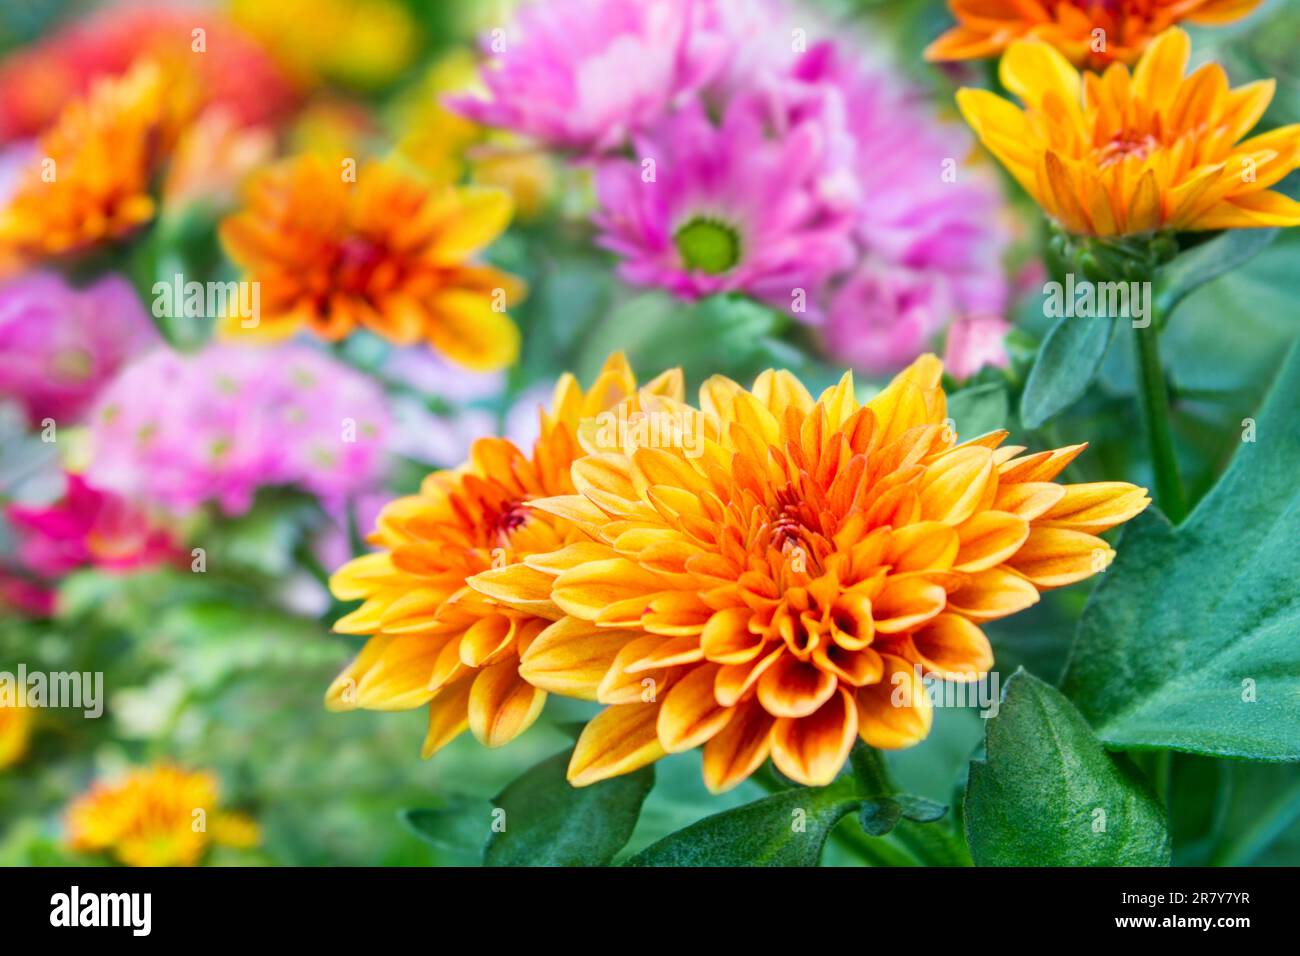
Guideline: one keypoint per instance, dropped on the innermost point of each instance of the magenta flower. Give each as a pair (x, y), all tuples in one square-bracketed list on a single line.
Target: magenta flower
[(583, 75), (60, 345), (704, 208), (176, 431), (930, 229), (87, 527)]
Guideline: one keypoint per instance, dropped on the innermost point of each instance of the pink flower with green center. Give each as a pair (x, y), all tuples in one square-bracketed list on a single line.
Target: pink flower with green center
[(704, 207)]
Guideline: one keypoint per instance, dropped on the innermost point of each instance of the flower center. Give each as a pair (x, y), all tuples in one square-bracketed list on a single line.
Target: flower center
[(1124, 145), (708, 245), (71, 365)]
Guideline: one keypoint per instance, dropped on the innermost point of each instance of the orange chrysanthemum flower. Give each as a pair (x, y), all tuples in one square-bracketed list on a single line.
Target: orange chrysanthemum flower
[(157, 816), (389, 252), (781, 585), (1118, 155), (93, 174), (1090, 33), (437, 641)]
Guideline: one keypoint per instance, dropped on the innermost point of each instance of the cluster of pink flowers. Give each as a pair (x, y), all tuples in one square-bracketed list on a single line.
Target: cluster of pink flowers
[(60, 345), (734, 153), (177, 431)]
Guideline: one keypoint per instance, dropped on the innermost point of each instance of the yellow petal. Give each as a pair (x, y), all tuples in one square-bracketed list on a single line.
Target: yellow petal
[(502, 705), (618, 740)]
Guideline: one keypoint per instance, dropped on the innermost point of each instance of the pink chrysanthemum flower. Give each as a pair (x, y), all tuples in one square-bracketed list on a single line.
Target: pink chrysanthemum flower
[(929, 228), (707, 207), (179, 430), (60, 345), (583, 75)]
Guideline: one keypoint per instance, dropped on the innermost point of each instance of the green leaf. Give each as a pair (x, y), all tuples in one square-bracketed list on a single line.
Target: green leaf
[(1192, 269), (786, 829), (1068, 361), (1048, 794), (1190, 641), (549, 823), (458, 826), (979, 409)]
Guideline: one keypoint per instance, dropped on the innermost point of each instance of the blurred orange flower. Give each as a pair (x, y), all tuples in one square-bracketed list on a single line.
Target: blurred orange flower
[(157, 816), (438, 642), (92, 177), (1119, 154), (389, 252), (780, 586), (38, 81), (1089, 33)]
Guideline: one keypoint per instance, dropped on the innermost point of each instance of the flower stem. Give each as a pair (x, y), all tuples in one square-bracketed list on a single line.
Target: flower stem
[(1153, 399)]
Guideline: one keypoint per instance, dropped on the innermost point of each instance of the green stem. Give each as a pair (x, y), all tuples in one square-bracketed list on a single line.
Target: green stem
[(1153, 399)]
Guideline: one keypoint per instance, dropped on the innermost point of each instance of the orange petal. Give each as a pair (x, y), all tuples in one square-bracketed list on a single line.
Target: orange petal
[(896, 712), (1095, 507), (572, 656), (1055, 557), (739, 748), (812, 749), (794, 688), (953, 648), (618, 740), (448, 716), (989, 538), (727, 638), (955, 483), (988, 595), (502, 705), (487, 640), (690, 714), (907, 602)]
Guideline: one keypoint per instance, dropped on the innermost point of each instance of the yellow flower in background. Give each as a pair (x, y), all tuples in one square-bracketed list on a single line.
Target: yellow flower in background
[(449, 147), (1119, 154), (157, 816), (91, 179), (778, 585), (1090, 33), (361, 43), (389, 252), (15, 733), (436, 641)]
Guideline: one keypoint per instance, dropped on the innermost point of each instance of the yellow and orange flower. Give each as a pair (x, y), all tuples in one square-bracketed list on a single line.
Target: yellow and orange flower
[(780, 585), (438, 642), (157, 816), (15, 732), (1092, 33), (1118, 155), (92, 177), (389, 252)]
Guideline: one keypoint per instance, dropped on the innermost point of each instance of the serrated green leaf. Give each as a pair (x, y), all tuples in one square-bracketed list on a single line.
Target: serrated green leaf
[(1068, 361), (1190, 641), (785, 829), (547, 822), (1048, 794)]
